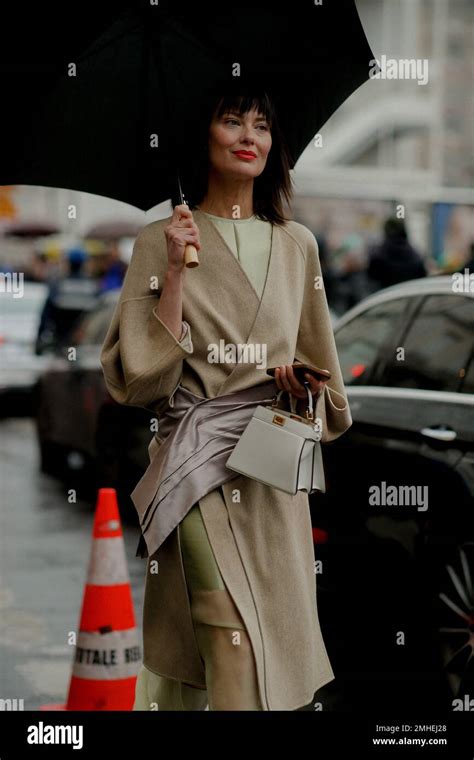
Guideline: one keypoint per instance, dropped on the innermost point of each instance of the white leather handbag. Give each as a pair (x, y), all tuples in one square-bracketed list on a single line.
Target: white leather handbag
[(281, 448)]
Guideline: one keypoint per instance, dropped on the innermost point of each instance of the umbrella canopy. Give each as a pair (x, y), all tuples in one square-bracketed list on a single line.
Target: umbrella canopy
[(118, 121)]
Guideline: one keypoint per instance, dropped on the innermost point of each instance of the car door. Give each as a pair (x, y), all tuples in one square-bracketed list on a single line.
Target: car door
[(68, 388), (412, 423), (369, 447), (427, 412)]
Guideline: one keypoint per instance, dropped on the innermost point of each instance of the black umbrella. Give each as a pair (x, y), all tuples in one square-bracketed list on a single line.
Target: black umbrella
[(120, 125)]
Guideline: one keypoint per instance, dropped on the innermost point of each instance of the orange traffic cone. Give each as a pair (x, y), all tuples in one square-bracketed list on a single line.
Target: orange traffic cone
[(107, 655)]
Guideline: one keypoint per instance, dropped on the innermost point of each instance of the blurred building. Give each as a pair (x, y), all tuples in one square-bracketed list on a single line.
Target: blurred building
[(398, 141)]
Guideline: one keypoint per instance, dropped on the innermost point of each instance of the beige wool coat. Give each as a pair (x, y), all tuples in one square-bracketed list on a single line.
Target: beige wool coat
[(261, 537)]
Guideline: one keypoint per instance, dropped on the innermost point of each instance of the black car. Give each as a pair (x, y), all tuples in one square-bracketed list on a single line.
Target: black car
[(84, 436), (396, 580)]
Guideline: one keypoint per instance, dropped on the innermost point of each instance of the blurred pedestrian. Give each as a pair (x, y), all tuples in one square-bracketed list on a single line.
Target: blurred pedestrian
[(394, 260), (115, 269), (68, 299), (351, 282)]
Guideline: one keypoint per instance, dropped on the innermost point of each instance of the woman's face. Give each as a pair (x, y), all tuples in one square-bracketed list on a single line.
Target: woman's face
[(231, 133)]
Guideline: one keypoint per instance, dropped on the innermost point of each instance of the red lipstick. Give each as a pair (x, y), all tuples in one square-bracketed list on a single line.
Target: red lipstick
[(245, 154)]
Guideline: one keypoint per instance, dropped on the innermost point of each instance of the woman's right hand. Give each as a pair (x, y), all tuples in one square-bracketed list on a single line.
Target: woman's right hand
[(180, 232)]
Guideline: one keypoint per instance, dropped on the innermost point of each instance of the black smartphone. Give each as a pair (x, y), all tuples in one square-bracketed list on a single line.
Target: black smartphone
[(301, 369)]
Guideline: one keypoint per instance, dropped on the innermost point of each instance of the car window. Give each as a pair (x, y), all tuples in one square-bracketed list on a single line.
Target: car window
[(437, 346), (360, 341)]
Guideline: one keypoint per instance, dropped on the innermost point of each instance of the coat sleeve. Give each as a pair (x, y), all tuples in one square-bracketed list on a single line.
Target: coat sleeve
[(142, 361), (316, 345)]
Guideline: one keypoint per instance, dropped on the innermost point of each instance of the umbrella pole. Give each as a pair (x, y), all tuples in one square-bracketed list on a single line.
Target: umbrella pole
[(190, 253)]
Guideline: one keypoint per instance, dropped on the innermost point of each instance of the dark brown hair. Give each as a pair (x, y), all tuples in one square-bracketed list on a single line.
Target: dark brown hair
[(272, 186)]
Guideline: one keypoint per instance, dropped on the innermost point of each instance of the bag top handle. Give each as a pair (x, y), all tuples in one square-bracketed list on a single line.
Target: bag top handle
[(309, 408)]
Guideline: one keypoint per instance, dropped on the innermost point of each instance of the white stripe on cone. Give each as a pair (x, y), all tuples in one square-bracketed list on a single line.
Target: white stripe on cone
[(107, 563), (107, 656)]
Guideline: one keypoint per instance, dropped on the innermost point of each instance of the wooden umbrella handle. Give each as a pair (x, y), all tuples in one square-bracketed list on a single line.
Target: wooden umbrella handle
[(191, 256)]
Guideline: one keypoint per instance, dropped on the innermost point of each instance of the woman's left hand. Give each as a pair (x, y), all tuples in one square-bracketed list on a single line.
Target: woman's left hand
[(286, 381)]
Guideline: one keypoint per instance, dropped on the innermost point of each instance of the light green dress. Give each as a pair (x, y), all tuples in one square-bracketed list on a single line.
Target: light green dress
[(250, 241)]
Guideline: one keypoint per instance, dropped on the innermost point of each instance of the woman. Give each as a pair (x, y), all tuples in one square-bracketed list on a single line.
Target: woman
[(230, 617)]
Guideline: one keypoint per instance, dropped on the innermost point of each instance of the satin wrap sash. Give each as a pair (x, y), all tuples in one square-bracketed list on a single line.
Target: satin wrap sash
[(198, 435)]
